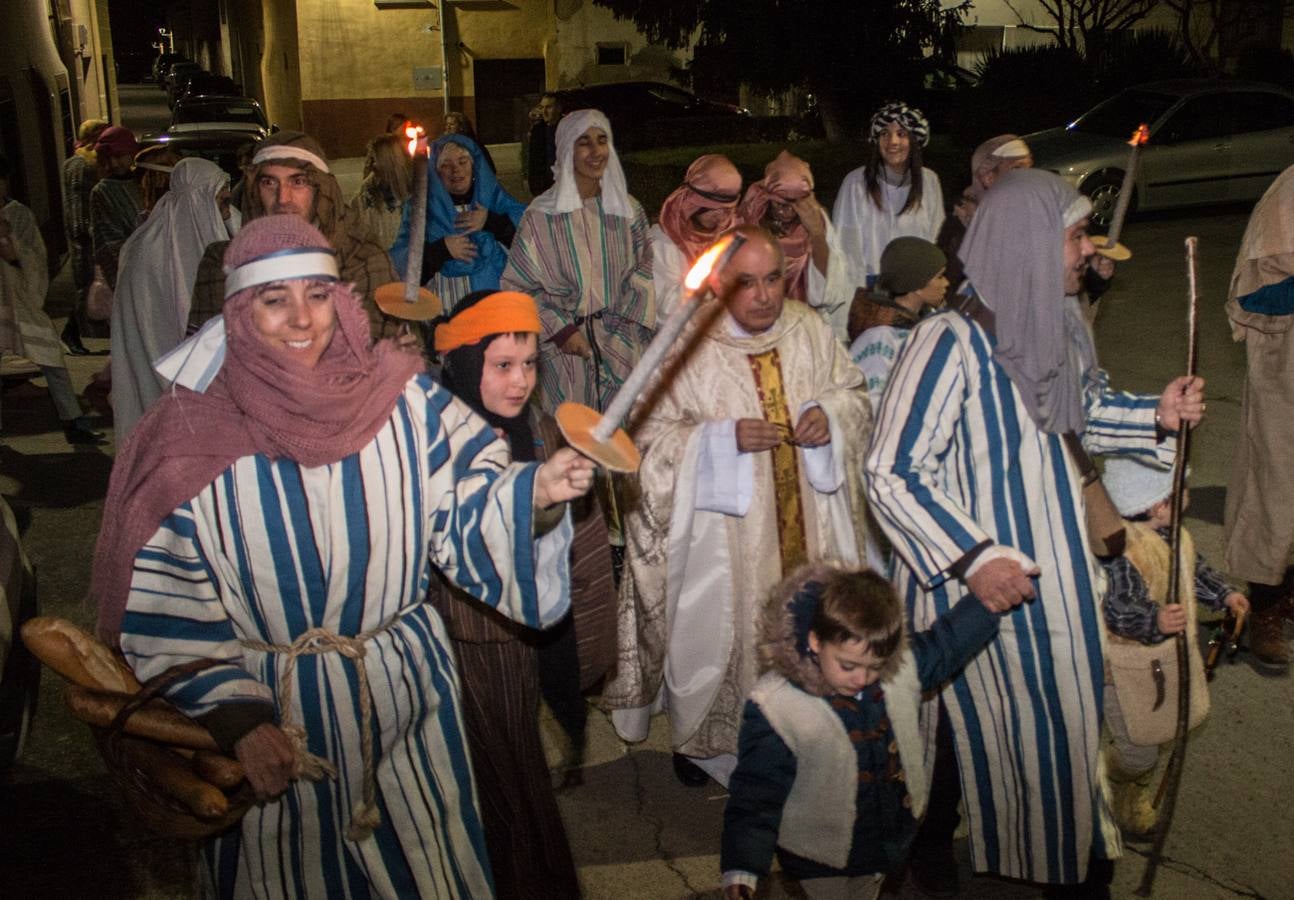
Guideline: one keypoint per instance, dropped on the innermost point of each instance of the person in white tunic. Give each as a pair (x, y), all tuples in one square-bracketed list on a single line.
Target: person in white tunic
[(972, 476), (749, 449), (891, 195), (817, 271), (25, 329), (282, 525), (703, 207), (150, 307)]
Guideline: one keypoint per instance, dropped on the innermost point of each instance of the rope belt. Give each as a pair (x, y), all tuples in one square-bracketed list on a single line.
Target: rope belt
[(316, 642)]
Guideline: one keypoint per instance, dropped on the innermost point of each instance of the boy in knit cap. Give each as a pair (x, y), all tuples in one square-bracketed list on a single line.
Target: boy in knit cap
[(912, 281), (1135, 610)]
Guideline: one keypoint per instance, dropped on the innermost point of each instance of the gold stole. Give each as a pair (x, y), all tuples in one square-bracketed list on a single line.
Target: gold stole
[(792, 539)]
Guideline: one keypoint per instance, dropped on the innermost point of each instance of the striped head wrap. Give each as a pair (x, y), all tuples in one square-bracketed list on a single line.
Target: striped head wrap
[(909, 118)]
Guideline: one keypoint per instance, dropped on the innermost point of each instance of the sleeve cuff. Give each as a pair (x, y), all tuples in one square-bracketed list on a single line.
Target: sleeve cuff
[(962, 568), (560, 337), (737, 876), (231, 721)]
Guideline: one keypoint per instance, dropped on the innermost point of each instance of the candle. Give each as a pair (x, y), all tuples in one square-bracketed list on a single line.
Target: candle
[(419, 150), (1139, 137), (698, 288)]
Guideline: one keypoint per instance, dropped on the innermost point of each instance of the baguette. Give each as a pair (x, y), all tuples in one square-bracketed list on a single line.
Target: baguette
[(156, 720), (220, 770), (172, 775), (77, 655)]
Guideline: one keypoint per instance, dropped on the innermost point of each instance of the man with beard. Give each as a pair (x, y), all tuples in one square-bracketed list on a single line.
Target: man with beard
[(973, 476), (290, 175), (703, 207), (816, 269)]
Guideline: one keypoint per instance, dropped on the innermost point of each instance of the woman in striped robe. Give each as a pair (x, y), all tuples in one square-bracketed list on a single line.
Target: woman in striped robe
[(583, 252), (970, 477), (283, 524)]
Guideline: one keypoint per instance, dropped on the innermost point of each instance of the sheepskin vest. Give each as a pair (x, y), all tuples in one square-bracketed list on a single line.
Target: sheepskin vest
[(819, 815)]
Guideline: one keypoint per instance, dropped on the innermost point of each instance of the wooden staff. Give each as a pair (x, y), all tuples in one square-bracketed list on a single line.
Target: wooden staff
[(1166, 797)]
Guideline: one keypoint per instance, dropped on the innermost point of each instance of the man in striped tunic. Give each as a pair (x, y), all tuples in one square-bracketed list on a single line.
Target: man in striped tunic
[(971, 479)]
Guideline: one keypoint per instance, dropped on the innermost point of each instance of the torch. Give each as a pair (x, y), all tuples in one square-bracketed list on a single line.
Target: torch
[(407, 299), (600, 438), (1109, 246)]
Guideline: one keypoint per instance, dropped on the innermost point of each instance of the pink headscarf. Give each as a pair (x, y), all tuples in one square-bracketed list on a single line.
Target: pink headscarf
[(260, 402), (711, 182), (787, 178)]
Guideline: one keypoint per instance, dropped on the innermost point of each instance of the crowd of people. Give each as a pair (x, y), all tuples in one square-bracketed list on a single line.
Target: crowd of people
[(854, 568)]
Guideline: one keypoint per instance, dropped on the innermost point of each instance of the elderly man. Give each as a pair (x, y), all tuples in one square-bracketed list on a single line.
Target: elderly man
[(973, 475), (703, 207), (817, 271), (748, 450), (289, 174)]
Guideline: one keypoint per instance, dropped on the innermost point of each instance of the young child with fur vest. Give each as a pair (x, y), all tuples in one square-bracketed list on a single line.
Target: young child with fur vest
[(837, 706)]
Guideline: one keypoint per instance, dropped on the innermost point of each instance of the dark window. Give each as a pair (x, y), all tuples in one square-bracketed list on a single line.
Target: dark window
[(613, 54), (1198, 119), (1261, 111), (1120, 115)]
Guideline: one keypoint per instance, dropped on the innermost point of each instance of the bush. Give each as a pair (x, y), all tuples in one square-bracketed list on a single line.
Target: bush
[(1026, 89), (1135, 57)]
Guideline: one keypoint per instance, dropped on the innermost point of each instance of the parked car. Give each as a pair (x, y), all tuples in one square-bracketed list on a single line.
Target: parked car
[(176, 74), (163, 62), (218, 113), (205, 83), (19, 670), (1210, 142), (652, 112), (221, 147)]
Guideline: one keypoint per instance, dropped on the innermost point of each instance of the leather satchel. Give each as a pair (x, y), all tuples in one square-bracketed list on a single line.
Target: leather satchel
[(1145, 679)]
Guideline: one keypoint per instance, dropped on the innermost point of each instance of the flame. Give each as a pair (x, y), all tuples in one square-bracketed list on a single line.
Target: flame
[(1140, 136), (704, 264), (416, 135)]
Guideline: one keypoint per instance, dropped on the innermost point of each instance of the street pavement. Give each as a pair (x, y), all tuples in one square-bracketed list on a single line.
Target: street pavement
[(635, 832)]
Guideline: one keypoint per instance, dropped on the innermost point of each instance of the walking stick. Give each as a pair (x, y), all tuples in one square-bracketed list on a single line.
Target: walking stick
[(1166, 797)]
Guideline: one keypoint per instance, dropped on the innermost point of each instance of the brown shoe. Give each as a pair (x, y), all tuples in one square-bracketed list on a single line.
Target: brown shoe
[(1271, 652)]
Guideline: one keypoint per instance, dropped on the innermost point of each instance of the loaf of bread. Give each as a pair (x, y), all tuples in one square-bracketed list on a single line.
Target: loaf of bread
[(77, 655), (156, 720), (220, 770), (174, 777)]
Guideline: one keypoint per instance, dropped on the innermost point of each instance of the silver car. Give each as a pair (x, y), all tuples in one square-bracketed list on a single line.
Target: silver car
[(1210, 142)]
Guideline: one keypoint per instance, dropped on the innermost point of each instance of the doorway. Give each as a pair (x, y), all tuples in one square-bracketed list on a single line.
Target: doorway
[(501, 86)]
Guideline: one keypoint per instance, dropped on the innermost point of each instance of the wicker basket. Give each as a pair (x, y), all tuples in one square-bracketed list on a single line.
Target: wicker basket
[(159, 811)]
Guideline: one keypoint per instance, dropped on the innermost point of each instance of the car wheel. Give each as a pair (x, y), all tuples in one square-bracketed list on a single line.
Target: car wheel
[(1104, 190)]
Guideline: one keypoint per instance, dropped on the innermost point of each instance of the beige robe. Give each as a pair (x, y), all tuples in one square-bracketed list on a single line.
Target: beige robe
[(25, 329), (1259, 518), (695, 580)]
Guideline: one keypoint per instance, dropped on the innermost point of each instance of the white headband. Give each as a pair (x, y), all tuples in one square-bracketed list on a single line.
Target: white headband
[(1080, 208), (1016, 149), (287, 151), (155, 167), (304, 263)]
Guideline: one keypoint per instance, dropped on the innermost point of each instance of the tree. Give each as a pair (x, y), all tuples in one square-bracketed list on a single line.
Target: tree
[(1202, 24), (851, 54), (1080, 24)]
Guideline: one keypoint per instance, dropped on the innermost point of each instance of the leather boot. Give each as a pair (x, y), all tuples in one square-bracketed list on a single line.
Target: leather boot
[(1271, 652)]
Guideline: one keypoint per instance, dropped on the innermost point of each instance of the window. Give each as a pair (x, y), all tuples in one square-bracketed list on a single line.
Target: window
[(613, 54), (1200, 118), (1261, 111)]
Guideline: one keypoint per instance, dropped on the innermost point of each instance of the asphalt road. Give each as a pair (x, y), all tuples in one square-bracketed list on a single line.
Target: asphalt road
[(635, 832)]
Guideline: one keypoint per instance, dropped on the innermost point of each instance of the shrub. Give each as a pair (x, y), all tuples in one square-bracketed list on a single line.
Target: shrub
[(1135, 57), (1026, 89), (1267, 64)]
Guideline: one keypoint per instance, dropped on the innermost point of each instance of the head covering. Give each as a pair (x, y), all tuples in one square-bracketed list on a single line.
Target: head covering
[(564, 195), (498, 312), (1014, 256), (1134, 486), (787, 178), (143, 159), (491, 257), (908, 264), (909, 117), (991, 154), (711, 182), (261, 402), (480, 319), (116, 141), (88, 134), (301, 151)]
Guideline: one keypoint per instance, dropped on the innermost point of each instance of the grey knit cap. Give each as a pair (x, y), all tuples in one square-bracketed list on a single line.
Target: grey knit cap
[(908, 264)]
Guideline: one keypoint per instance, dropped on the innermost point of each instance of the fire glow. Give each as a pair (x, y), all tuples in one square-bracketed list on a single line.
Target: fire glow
[(417, 138), (1140, 136), (704, 265)]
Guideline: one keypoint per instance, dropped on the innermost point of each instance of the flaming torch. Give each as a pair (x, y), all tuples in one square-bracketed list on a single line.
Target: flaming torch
[(1109, 246), (407, 299), (600, 438)]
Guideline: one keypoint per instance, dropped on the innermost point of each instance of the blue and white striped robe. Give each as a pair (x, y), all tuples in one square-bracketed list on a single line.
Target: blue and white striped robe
[(956, 460), (269, 550)]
